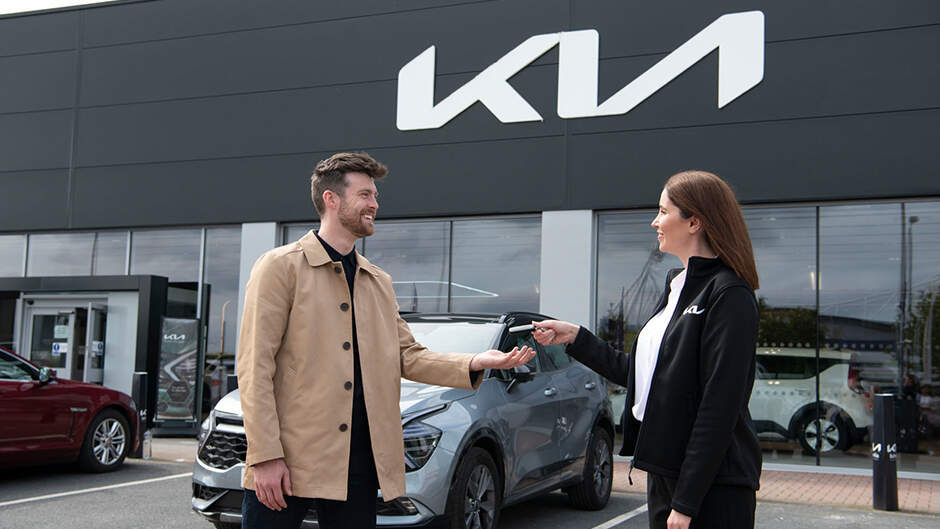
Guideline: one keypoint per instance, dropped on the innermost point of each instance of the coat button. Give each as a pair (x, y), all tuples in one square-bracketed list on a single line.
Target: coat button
[(344, 306), (346, 345), (337, 269), (343, 427), (348, 385)]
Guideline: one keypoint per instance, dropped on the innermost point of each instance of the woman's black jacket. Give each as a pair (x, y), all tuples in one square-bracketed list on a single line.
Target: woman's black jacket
[(696, 428)]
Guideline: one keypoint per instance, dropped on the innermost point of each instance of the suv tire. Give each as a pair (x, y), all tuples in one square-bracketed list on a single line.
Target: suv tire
[(476, 494), (107, 441), (596, 481), (835, 432)]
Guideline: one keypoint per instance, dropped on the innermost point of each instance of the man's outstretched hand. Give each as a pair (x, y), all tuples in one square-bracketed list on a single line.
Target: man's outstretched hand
[(494, 359)]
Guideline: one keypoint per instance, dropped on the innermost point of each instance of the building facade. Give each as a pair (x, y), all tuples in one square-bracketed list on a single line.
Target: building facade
[(527, 143)]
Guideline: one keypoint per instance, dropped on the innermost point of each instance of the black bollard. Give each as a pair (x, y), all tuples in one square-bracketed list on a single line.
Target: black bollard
[(884, 455), (139, 394)]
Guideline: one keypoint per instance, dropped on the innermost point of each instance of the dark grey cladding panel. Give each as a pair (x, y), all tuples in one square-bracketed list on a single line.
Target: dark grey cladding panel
[(870, 156), (633, 28), (357, 50), (36, 140), (473, 178), (38, 82), (289, 122), (468, 178), (876, 72), (34, 200), (168, 19), (38, 33), (219, 191)]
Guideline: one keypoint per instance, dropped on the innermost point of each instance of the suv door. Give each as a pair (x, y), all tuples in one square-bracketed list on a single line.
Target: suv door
[(580, 394), (529, 412)]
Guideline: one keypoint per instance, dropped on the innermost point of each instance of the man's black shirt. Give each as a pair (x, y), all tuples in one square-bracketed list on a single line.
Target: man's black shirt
[(360, 458)]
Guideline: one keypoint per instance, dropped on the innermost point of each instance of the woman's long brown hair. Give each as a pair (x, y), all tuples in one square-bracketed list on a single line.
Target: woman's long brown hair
[(702, 195)]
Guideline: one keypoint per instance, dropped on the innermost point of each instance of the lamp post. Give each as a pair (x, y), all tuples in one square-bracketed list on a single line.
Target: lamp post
[(910, 285)]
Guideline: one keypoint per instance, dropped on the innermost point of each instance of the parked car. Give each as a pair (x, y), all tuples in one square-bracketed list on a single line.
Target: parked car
[(540, 427), (783, 402), (46, 419)]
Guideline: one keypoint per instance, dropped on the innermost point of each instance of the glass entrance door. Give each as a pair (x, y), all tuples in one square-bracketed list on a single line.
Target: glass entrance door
[(96, 325), (68, 336), (50, 339)]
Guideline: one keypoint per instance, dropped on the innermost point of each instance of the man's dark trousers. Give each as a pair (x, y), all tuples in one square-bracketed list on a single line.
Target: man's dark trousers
[(357, 512)]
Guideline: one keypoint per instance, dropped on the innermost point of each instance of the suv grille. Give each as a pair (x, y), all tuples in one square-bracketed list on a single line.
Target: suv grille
[(224, 449), (205, 493)]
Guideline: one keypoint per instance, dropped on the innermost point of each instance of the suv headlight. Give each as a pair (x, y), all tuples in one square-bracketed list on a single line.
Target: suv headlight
[(420, 441), (205, 427)]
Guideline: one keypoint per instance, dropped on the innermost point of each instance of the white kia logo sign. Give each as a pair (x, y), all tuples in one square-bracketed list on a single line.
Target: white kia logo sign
[(738, 37)]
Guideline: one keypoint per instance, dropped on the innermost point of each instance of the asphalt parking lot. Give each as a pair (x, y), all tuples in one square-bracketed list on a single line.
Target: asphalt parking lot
[(156, 495)]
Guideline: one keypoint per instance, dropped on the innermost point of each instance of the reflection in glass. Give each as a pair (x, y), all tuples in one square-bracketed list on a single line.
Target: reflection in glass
[(496, 265), (784, 242), (294, 232), (416, 255), (49, 329), (76, 254), (11, 250), (223, 252), (109, 253), (860, 264), (631, 274), (169, 253)]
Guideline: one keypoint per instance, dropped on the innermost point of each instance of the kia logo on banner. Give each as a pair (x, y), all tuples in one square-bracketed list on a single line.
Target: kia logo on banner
[(738, 37)]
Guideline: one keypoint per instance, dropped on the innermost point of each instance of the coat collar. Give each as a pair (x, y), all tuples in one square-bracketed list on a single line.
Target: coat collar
[(698, 266), (317, 255)]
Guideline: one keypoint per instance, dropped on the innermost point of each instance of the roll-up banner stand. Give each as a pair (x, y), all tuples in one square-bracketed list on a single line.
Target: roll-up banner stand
[(180, 372)]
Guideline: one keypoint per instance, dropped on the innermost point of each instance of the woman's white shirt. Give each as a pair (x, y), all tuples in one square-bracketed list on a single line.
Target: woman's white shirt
[(648, 343)]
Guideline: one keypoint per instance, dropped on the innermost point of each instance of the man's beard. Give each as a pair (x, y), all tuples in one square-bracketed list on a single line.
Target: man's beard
[(352, 220)]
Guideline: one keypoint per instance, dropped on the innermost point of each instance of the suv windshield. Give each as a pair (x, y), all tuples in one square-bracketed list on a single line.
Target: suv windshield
[(456, 337)]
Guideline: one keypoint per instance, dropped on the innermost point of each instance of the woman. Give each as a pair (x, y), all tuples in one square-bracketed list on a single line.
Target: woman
[(691, 370)]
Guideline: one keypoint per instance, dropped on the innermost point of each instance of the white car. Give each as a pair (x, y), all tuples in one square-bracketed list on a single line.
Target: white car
[(783, 402)]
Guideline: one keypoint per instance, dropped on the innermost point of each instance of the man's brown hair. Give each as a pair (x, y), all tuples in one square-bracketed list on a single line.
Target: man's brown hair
[(331, 174), (708, 198)]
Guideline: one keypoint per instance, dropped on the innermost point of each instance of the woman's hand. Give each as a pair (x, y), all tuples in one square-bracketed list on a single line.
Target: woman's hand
[(677, 520), (553, 332)]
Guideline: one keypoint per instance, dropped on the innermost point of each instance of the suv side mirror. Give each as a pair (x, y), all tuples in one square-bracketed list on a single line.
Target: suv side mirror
[(45, 375), (518, 375)]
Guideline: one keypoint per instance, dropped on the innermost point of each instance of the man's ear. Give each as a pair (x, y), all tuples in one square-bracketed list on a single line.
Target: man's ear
[(330, 199)]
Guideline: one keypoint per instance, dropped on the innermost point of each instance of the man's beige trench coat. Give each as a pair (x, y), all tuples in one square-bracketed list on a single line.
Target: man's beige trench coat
[(295, 363)]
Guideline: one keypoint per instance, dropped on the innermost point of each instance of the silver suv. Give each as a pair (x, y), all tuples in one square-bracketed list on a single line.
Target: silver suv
[(540, 427)]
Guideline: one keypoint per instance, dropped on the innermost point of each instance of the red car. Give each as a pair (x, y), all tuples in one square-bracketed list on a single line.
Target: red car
[(44, 419)]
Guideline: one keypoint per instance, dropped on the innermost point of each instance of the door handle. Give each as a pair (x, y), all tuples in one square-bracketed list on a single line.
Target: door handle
[(590, 385), (551, 392)]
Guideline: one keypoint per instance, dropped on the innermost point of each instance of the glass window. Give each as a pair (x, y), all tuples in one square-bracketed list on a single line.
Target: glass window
[(860, 265), (631, 274), (109, 253), (496, 265), (11, 368), (223, 254), (59, 254), (416, 254), (296, 231), (557, 354), (76, 254), (169, 253), (11, 255)]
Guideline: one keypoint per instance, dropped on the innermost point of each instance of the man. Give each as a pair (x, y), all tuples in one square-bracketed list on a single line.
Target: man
[(320, 360)]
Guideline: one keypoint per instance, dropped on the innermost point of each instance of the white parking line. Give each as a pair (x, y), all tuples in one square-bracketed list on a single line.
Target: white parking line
[(622, 518), (95, 489)]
